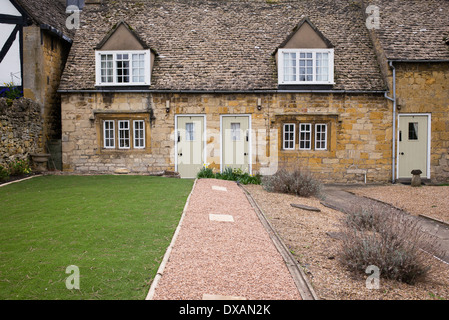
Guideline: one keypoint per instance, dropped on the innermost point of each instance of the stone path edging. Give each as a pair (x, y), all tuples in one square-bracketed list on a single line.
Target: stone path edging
[(27, 178)]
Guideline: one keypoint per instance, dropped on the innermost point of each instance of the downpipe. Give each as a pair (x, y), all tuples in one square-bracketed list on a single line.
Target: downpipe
[(393, 160)]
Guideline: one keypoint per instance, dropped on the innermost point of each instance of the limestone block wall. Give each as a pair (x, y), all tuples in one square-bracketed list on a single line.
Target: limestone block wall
[(20, 128), (424, 88), (359, 131), (44, 58)]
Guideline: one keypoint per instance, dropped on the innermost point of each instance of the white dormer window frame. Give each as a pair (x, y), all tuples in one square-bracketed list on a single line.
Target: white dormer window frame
[(306, 66), (123, 68)]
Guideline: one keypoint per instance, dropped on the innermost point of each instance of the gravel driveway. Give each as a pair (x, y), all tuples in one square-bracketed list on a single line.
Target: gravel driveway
[(229, 258), (431, 201)]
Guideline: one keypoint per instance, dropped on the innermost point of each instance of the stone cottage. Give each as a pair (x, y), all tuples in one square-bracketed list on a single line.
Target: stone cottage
[(155, 86), (35, 43), (413, 51)]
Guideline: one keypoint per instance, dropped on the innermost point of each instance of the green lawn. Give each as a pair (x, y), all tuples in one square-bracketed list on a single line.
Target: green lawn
[(115, 229)]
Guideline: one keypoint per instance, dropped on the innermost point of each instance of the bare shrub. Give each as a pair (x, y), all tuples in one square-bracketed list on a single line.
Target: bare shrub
[(392, 241), (297, 181)]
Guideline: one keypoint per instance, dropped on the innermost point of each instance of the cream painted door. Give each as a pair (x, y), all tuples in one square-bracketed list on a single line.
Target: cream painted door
[(190, 145), (235, 144), (413, 148)]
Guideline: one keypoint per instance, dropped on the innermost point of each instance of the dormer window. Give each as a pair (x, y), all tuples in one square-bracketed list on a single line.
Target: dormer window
[(306, 66), (305, 58), (123, 58), (123, 67)]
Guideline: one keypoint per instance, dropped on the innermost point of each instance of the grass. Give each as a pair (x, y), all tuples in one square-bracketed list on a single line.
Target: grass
[(114, 228)]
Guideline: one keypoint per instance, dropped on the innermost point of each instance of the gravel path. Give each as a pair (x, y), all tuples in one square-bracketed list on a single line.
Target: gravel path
[(225, 258), (427, 200)]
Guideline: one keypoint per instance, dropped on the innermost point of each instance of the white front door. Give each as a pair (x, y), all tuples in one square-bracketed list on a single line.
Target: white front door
[(235, 142), (190, 145), (413, 145)]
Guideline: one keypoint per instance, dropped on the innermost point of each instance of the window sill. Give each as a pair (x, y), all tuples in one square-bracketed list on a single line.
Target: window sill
[(305, 86)]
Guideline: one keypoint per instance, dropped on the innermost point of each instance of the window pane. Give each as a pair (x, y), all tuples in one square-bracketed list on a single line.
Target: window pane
[(413, 131), (305, 135), (322, 67), (109, 134), (235, 131), (306, 67), (320, 136), (290, 66), (139, 134), (122, 65), (190, 131), (123, 134), (289, 136), (106, 67), (138, 63)]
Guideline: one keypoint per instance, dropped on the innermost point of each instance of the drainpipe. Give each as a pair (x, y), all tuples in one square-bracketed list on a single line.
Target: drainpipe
[(393, 160)]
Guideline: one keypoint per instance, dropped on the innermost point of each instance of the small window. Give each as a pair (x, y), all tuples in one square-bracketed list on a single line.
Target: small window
[(289, 136), (305, 136), (320, 137), (139, 134), (413, 130), (123, 134), (190, 131), (235, 131), (108, 134)]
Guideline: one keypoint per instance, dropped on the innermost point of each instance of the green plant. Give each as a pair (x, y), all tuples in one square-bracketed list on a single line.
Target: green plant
[(235, 174), (205, 172), (19, 167), (4, 173), (10, 92)]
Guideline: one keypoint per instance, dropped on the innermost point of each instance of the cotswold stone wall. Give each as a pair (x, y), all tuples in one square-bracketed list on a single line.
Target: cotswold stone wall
[(359, 131), (21, 129), (44, 60)]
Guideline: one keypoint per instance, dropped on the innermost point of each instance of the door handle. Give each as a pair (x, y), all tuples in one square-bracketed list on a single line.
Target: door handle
[(401, 153), (180, 154), (245, 154)]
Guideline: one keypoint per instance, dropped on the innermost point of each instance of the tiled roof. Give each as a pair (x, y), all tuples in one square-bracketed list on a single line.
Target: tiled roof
[(227, 44), (48, 12), (414, 29)]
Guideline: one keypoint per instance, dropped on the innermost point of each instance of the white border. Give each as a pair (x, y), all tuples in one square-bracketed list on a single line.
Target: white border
[(250, 162), (175, 136), (429, 139)]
